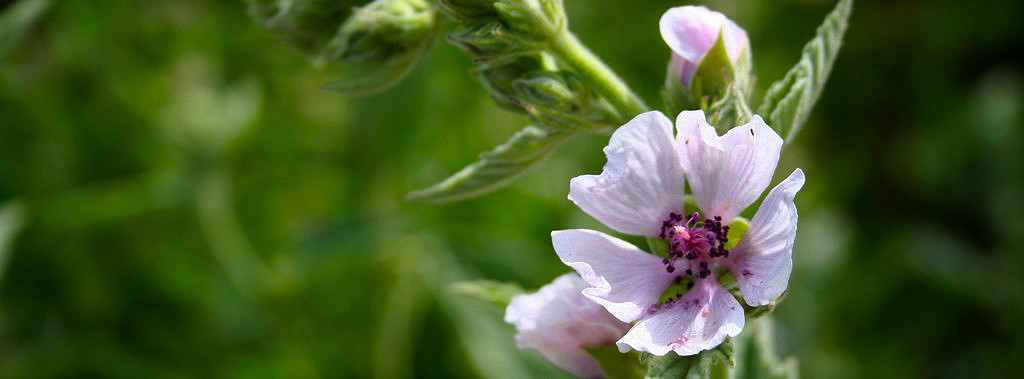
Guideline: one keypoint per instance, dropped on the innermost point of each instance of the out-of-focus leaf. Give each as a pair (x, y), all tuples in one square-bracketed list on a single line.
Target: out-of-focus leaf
[(788, 102), (755, 355), (12, 218), (17, 18), (497, 167), (489, 291)]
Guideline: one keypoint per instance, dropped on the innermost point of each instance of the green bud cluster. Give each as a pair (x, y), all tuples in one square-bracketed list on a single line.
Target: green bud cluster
[(508, 40), (376, 44)]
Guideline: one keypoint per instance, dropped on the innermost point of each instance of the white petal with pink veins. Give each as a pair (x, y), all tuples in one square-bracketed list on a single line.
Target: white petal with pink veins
[(698, 321), (641, 183), (623, 279), (559, 322), (763, 260), (726, 173)]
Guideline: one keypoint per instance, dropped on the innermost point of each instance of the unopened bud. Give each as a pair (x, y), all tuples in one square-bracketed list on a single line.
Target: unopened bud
[(466, 9), (538, 19), (381, 42), (692, 31), (490, 41), (499, 80), (306, 24), (561, 91), (383, 30)]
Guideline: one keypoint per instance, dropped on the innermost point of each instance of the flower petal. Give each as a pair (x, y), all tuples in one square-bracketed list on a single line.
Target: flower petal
[(559, 322), (573, 359), (699, 321), (763, 260), (727, 173), (624, 279), (641, 183)]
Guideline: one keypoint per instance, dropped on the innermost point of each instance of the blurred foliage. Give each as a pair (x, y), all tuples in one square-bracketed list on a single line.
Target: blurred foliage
[(181, 199)]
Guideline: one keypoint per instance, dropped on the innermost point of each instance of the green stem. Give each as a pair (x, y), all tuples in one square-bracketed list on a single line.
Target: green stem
[(593, 71)]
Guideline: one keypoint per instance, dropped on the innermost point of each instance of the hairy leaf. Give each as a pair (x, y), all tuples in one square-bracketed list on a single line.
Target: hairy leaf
[(497, 167), (788, 102)]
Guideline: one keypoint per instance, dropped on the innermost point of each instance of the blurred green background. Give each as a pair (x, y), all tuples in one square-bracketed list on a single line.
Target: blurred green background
[(179, 198)]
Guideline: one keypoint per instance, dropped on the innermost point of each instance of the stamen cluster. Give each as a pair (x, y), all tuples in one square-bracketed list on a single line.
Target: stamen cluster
[(694, 239)]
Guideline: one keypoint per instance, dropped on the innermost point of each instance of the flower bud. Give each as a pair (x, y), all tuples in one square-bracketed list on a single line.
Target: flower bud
[(558, 91), (559, 98), (559, 322), (383, 30), (466, 9), (381, 42), (306, 24), (490, 41), (691, 31), (538, 19), (498, 79)]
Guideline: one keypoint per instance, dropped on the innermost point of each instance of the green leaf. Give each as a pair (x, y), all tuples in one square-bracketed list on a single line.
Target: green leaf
[(17, 18), (488, 291), (497, 167), (714, 363), (755, 355), (788, 102), (618, 365)]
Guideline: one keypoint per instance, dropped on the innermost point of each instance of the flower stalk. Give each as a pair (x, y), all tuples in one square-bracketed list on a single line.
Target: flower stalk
[(593, 71)]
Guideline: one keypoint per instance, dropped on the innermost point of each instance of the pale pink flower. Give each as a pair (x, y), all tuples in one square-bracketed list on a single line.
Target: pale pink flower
[(640, 192), (691, 31), (559, 322)]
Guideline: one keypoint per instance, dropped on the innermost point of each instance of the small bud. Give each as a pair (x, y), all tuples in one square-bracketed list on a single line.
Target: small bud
[(559, 91), (538, 19), (381, 31), (559, 98), (692, 31), (466, 9), (382, 41), (499, 80), (306, 24), (491, 42)]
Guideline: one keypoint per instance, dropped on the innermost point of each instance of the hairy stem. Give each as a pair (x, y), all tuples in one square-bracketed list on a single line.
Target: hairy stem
[(589, 67)]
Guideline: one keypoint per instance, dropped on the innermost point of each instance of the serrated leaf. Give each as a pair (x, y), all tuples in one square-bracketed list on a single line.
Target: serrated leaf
[(497, 167), (17, 18), (788, 102), (488, 291)]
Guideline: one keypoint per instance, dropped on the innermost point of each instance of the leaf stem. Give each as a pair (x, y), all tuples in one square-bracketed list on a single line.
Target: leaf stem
[(593, 71)]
